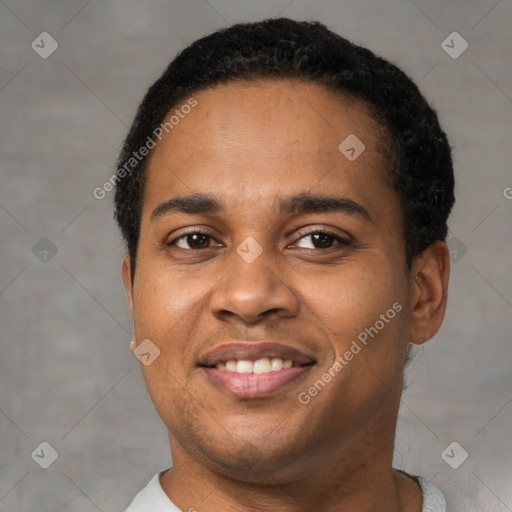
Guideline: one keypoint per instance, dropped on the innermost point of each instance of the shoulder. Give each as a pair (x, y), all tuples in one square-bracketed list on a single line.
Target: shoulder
[(153, 498), (433, 498)]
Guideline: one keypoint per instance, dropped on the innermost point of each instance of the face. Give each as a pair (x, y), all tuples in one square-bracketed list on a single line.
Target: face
[(293, 256)]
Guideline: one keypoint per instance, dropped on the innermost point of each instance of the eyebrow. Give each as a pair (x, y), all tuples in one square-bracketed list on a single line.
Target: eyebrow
[(302, 203)]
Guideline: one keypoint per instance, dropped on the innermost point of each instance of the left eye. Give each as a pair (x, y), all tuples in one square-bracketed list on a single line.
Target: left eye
[(323, 239)]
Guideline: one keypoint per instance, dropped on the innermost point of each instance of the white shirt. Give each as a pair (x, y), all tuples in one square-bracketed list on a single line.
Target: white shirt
[(153, 498)]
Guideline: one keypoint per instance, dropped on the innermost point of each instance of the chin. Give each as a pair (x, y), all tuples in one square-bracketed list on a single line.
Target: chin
[(247, 462)]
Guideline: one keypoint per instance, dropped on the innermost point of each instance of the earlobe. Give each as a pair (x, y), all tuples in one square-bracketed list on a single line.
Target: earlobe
[(429, 282)]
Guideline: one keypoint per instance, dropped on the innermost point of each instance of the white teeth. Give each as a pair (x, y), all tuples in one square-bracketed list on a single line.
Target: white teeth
[(230, 366), (263, 365), (244, 367), (277, 364)]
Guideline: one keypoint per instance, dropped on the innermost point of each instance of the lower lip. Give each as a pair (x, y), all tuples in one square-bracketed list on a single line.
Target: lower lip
[(254, 385)]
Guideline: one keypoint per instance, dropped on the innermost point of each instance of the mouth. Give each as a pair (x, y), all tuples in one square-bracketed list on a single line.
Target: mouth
[(254, 369)]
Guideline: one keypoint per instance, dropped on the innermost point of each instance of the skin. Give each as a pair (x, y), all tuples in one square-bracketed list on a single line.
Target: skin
[(250, 144)]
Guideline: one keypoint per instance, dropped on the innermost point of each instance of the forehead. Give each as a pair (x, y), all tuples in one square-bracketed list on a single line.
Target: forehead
[(255, 138)]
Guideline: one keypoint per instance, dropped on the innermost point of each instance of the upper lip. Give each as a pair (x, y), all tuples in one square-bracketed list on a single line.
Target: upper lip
[(252, 350)]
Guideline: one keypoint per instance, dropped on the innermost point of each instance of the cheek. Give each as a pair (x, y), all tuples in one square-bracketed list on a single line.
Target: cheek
[(160, 310), (369, 336), (354, 301), (366, 320), (160, 301), (168, 307), (163, 312)]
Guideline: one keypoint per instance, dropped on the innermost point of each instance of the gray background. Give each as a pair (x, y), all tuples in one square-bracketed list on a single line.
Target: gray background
[(67, 374)]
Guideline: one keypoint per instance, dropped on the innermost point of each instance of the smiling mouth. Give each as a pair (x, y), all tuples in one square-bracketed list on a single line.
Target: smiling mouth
[(254, 369), (262, 378)]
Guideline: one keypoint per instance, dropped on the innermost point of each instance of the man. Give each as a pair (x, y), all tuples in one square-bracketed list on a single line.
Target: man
[(283, 194)]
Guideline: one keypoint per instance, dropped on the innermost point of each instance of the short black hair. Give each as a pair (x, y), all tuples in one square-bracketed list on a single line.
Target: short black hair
[(422, 170)]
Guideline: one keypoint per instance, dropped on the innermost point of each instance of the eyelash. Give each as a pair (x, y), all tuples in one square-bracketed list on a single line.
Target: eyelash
[(341, 241)]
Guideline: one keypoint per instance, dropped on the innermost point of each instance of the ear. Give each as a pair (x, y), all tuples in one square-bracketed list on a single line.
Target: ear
[(128, 287), (127, 281), (429, 284)]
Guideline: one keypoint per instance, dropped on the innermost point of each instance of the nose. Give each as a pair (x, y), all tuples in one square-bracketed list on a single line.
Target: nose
[(253, 291)]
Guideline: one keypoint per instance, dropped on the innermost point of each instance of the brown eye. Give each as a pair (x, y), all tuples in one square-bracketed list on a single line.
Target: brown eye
[(194, 240), (323, 240)]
